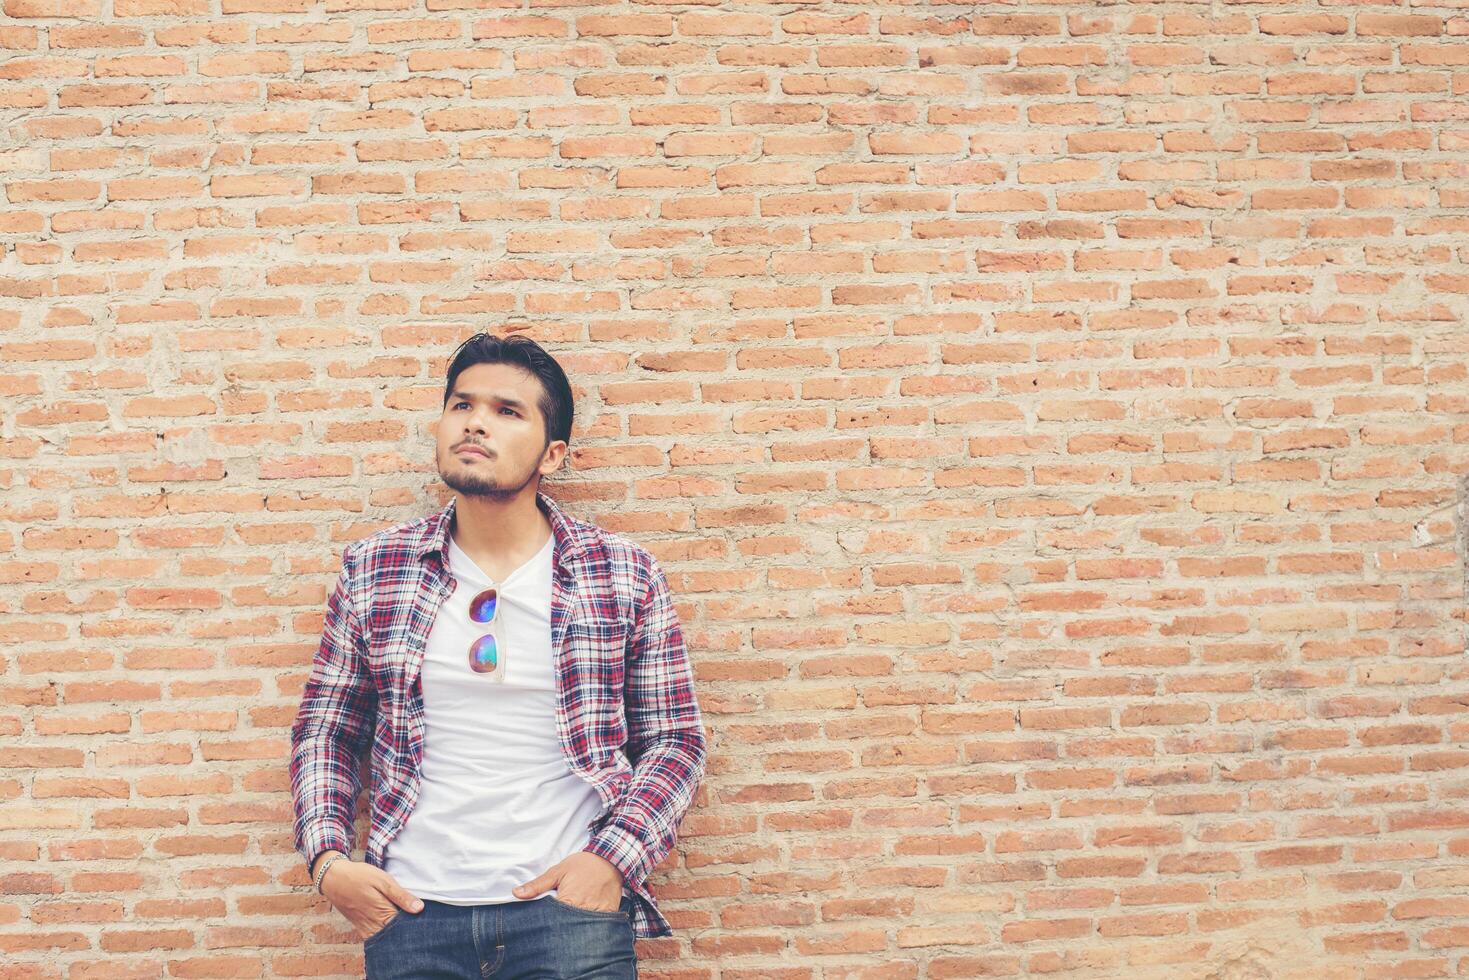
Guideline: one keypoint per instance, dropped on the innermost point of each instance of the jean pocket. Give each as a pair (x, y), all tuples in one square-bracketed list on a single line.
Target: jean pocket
[(578, 908), (397, 917)]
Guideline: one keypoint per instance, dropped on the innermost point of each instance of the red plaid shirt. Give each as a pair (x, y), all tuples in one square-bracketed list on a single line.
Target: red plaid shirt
[(626, 715)]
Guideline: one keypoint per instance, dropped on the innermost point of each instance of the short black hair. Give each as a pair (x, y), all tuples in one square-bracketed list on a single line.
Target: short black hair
[(555, 401)]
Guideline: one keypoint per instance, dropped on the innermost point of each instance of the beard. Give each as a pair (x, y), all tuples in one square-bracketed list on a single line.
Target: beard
[(478, 479)]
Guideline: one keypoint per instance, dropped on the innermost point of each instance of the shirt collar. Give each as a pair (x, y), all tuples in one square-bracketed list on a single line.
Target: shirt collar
[(572, 537)]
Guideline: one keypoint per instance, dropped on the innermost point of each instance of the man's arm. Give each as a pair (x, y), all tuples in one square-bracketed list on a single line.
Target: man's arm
[(665, 741), (338, 706)]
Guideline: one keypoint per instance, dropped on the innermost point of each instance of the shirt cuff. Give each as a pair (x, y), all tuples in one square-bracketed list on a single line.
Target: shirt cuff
[(320, 838), (624, 849)]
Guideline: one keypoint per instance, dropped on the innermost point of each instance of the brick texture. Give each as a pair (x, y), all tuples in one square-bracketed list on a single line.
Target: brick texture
[(1052, 420)]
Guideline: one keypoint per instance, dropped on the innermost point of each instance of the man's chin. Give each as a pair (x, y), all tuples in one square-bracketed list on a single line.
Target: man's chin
[(470, 488)]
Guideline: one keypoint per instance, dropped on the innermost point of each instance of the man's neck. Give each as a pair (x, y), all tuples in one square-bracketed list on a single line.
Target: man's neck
[(499, 536)]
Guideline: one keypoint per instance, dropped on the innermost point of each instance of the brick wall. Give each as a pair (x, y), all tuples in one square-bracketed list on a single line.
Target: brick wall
[(1050, 417)]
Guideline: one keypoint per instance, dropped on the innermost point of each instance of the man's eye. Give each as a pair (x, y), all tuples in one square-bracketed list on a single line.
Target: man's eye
[(510, 410)]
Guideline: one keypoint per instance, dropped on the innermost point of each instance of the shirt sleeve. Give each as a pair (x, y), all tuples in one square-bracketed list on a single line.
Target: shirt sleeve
[(333, 723), (666, 743)]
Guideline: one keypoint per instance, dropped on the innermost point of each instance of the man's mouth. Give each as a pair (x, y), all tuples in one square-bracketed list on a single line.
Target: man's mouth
[(473, 449)]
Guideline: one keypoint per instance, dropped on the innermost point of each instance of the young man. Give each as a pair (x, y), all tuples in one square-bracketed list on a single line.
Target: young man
[(524, 685)]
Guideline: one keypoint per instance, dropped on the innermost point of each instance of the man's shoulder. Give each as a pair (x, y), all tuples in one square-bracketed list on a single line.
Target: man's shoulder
[(623, 550), (620, 551), (394, 538), (629, 564)]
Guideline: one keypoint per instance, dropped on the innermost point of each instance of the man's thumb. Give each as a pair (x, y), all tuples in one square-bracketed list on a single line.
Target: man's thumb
[(397, 894)]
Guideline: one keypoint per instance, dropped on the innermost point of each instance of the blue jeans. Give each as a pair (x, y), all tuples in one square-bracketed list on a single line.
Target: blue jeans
[(538, 939)]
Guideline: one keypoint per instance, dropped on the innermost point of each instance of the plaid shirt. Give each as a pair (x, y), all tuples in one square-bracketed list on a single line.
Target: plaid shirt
[(624, 691)]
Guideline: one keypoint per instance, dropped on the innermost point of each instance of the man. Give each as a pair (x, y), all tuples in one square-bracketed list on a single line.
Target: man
[(523, 682)]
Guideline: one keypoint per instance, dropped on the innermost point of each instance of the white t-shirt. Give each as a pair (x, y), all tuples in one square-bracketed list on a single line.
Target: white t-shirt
[(498, 804)]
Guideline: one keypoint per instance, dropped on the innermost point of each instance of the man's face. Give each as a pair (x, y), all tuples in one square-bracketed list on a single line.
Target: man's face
[(493, 408)]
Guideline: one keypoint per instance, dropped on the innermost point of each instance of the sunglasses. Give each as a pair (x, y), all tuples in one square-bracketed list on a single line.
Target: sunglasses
[(485, 652)]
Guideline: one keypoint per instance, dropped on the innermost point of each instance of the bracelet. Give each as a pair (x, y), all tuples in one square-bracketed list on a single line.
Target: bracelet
[(321, 872)]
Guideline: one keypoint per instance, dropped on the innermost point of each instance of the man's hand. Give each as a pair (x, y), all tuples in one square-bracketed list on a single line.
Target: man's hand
[(367, 896), (588, 881)]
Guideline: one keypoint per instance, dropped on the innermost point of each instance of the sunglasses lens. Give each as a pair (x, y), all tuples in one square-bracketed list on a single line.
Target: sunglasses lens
[(482, 655), (482, 606)]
